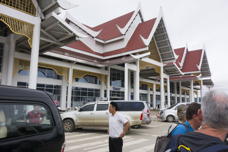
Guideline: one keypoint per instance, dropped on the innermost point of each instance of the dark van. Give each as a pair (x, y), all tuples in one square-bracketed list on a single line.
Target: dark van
[(29, 121)]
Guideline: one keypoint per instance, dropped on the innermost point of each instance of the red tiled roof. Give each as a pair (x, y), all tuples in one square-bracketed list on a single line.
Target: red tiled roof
[(109, 29), (134, 43), (192, 60), (180, 53)]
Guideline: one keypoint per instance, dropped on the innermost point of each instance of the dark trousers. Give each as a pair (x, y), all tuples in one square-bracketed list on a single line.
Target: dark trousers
[(115, 144)]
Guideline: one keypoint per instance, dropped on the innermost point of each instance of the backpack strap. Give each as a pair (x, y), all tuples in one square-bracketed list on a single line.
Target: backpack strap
[(215, 148)]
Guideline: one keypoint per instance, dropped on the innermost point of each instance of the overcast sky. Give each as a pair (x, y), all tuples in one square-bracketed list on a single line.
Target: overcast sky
[(195, 23)]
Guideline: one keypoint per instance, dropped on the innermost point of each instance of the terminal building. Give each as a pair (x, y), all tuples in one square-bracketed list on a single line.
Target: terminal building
[(127, 58)]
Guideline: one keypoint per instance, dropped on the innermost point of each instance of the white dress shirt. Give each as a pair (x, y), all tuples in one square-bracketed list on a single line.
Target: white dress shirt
[(116, 124)]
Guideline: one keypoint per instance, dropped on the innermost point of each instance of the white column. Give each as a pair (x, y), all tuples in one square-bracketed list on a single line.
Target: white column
[(129, 85), (148, 96), (180, 93), (162, 106), (108, 85), (168, 92), (191, 92), (185, 96), (198, 96), (102, 87), (12, 44), (126, 81), (136, 83), (154, 96), (5, 63), (175, 91), (201, 90), (69, 91), (34, 56), (63, 95)]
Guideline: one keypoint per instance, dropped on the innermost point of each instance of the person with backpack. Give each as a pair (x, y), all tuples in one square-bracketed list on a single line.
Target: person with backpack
[(193, 121), (214, 130)]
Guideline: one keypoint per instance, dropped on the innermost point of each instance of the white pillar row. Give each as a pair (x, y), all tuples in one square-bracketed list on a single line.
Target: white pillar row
[(136, 83), (154, 96), (180, 91), (168, 92), (11, 52), (175, 91), (129, 85), (191, 91), (63, 95), (69, 90), (126, 81), (162, 105), (108, 85), (34, 55)]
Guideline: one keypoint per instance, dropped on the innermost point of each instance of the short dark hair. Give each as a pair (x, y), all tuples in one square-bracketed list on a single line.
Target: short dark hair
[(192, 109), (114, 104)]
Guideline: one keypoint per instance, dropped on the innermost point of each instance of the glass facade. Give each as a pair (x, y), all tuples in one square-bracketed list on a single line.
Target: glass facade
[(143, 87), (116, 78), (116, 95), (1, 56), (81, 96), (43, 73), (89, 79), (54, 90), (143, 97)]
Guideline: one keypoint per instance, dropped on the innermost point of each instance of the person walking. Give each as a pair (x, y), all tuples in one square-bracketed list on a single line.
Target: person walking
[(118, 127)]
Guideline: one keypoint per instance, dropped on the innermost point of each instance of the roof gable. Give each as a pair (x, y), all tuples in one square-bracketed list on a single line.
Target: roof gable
[(109, 30), (180, 53), (192, 61)]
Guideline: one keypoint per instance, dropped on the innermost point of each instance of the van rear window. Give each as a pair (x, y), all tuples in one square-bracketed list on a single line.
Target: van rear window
[(24, 119), (130, 106)]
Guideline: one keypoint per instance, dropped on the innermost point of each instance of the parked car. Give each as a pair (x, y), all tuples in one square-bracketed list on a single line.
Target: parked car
[(139, 106), (29, 121), (95, 115), (170, 114)]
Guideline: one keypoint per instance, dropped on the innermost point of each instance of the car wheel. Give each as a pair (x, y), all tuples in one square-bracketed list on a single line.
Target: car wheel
[(170, 118), (68, 125)]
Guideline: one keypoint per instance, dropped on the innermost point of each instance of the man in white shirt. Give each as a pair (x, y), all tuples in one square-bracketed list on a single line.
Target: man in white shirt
[(118, 127)]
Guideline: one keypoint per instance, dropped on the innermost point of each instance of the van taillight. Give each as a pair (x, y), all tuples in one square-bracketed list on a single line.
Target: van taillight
[(141, 116), (63, 147)]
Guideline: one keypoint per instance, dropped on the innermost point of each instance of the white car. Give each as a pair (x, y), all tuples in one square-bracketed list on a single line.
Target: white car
[(95, 115), (170, 114)]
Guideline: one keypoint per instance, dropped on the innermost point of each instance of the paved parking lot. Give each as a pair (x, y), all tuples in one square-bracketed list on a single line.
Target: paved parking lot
[(137, 140)]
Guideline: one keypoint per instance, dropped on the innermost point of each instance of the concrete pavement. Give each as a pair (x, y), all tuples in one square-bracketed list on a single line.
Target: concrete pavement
[(137, 140)]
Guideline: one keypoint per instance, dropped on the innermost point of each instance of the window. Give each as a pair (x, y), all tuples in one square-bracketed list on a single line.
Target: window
[(89, 79), (43, 73), (54, 90), (81, 96), (1, 56), (116, 78), (143, 97), (130, 106), (24, 119), (116, 95), (102, 107), (87, 108), (143, 87)]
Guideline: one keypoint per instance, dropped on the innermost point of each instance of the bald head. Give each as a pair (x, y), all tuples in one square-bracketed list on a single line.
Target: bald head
[(215, 109)]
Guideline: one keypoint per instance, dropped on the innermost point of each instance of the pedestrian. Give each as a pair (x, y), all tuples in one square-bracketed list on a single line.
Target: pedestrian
[(118, 127), (35, 116), (193, 121), (213, 132), (181, 113)]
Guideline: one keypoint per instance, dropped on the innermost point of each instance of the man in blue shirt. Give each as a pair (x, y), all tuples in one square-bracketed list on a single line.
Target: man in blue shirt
[(193, 120)]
